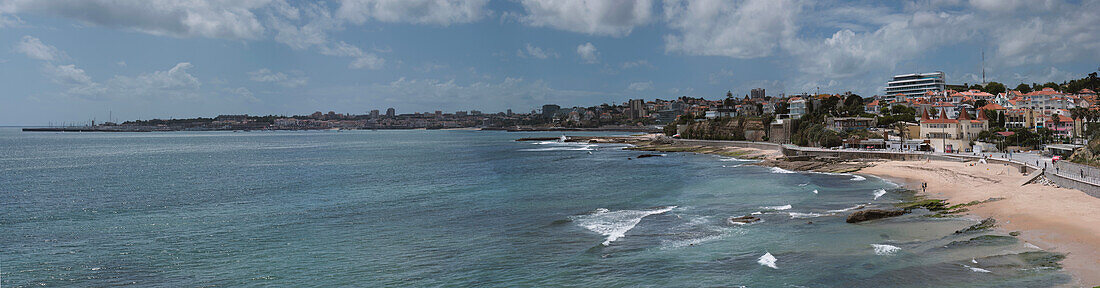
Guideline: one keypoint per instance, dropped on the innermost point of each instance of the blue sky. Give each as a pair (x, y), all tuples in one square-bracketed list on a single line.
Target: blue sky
[(79, 60)]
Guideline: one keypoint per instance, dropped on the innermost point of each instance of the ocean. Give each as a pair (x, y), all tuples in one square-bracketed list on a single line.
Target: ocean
[(421, 208)]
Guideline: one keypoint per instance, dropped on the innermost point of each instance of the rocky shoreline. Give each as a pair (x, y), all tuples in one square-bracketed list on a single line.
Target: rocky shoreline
[(917, 202)]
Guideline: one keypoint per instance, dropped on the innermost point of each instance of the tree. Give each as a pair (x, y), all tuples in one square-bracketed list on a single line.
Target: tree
[(1023, 88), (980, 103), (1053, 85), (994, 88), (902, 130), (853, 105), (782, 108)]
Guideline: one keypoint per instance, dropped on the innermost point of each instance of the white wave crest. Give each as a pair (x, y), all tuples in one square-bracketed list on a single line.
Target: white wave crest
[(767, 260), (858, 178), (777, 208), (815, 191), (847, 209), (615, 224), (562, 148), (885, 250), (781, 170), (803, 184), (976, 269), (797, 215), (744, 223), (879, 193)]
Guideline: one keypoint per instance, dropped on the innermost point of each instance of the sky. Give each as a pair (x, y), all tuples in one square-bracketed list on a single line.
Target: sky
[(75, 61)]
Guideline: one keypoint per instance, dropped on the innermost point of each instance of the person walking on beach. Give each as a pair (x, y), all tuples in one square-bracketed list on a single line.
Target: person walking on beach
[(923, 187)]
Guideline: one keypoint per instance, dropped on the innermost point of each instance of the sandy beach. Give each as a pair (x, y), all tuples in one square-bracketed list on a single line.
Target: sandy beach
[(1052, 218), (1055, 219)]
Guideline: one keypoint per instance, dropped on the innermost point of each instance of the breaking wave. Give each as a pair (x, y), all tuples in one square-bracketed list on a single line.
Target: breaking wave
[(976, 269), (847, 209), (781, 170), (879, 193), (615, 224), (776, 208), (767, 260), (798, 215), (885, 250)]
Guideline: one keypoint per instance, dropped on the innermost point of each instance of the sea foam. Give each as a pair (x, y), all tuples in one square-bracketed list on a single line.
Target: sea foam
[(879, 193), (798, 215), (858, 178), (615, 224), (976, 269), (783, 207), (781, 170), (767, 260), (848, 209), (885, 250)]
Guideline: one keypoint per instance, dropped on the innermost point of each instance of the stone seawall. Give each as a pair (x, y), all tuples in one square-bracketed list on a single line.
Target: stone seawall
[(1075, 176), (722, 143)]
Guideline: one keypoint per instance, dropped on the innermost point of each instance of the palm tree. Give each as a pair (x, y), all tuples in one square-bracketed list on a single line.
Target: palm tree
[(902, 129)]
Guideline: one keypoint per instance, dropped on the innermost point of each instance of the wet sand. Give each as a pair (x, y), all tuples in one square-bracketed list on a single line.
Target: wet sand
[(1055, 219)]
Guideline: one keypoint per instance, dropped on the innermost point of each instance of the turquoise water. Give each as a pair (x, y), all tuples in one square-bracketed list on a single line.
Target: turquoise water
[(455, 208)]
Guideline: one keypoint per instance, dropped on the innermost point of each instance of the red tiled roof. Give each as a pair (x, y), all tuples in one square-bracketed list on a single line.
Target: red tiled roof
[(992, 106)]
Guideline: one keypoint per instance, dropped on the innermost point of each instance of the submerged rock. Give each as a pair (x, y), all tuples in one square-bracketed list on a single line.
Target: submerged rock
[(743, 219), (930, 204), (649, 155), (985, 224), (984, 240), (872, 214)]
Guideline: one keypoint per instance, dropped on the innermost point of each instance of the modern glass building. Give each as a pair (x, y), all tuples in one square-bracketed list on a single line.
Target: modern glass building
[(916, 84)]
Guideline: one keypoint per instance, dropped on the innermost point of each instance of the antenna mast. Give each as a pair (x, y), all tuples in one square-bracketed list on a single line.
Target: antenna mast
[(983, 66)]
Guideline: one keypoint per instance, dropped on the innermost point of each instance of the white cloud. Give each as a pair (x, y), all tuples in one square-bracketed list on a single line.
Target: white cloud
[(280, 78), (435, 94), (245, 95), (606, 18), (1050, 74), (198, 18), (437, 12), (842, 46), (313, 32), (588, 53), (636, 64), (1052, 33), (175, 83), (121, 63), (68, 75), (739, 29), (34, 48), (535, 52), (641, 86), (9, 20), (847, 53), (362, 59)]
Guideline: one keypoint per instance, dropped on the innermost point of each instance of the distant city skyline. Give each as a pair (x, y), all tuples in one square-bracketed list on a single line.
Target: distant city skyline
[(73, 61)]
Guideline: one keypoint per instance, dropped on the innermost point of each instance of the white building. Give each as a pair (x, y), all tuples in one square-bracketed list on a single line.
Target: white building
[(797, 107), (916, 84)]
